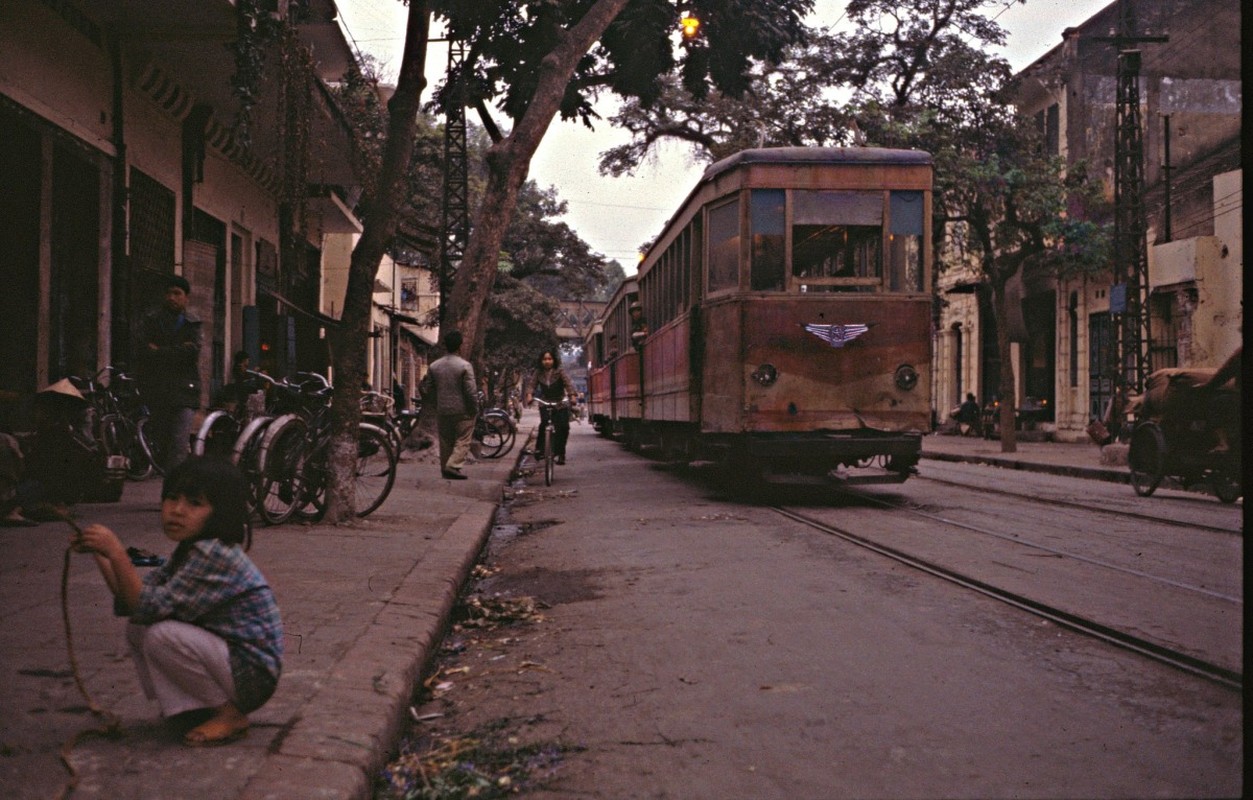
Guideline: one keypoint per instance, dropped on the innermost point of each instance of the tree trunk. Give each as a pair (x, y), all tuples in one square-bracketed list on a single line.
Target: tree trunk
[(348, 341), (508, 162), (1006, 390)]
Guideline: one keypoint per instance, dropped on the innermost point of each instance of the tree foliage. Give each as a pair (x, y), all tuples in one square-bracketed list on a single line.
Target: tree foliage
[(535, 59)]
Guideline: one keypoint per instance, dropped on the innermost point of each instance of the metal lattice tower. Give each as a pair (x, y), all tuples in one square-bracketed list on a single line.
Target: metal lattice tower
[(1129, 296), (455, 225), (1131, 267)]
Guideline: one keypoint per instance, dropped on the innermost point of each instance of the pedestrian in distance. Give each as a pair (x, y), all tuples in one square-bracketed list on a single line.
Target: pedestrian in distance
[(204, 627), (551, 384), (449, 388), (169, 371)]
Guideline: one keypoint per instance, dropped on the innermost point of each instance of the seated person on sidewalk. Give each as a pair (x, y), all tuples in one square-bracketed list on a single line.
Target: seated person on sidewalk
[(204, 628), (55, 466), (968, 414)]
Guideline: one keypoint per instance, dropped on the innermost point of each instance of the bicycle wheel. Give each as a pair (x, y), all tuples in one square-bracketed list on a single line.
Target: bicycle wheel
[(372, 482), (508, 431), (492, 434), (139, 464), (151, 449), (1146, 458), (550, 458), (376, 469), (281, 467)]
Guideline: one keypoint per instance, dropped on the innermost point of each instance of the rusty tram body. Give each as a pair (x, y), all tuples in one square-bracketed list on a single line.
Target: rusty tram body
[(786, 320)]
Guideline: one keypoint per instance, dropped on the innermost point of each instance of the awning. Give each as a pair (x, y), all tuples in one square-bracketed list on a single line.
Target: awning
[(316, 316), (427, 336)]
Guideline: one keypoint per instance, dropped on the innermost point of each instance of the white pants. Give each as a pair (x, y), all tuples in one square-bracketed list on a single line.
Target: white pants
[(182, 666)]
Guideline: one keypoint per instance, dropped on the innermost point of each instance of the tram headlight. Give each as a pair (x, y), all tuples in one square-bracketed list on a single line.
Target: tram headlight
[(765, 375), (906, 377)]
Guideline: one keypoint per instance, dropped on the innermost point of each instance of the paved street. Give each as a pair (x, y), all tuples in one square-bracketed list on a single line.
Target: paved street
[(697, 645)]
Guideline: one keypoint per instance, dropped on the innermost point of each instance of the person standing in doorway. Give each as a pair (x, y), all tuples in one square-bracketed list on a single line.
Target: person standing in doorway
[(169, 362), (448, 388)]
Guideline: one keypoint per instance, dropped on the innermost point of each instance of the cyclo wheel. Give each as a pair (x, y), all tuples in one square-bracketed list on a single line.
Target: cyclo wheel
[(1146, 458), (281, 461)]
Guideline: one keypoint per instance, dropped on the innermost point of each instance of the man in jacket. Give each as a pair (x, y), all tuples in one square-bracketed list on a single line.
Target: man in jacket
[(169, 360), (448, 389)]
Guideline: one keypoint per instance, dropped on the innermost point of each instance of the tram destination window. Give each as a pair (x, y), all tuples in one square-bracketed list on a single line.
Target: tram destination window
[(724, 247), (768, 214), (837, 238), (905, 242)]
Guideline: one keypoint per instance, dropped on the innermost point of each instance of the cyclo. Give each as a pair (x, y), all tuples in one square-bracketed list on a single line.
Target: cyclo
[(1182, 431)]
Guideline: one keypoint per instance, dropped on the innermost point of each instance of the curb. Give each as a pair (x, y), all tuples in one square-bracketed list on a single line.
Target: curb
[(1090, 473), (334, 751)]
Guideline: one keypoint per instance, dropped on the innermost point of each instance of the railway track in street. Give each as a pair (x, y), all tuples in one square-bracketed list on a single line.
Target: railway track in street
[(1191, 660), (1122, 513)]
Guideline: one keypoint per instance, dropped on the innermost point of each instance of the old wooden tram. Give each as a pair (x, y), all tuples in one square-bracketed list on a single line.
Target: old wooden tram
[(786, 319)]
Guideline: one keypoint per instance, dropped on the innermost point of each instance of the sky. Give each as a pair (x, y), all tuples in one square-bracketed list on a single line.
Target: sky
[(616, 215)]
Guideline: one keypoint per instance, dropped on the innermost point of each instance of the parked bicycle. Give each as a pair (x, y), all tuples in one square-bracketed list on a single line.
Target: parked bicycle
[(494, 431), (118, 420), (380, 409), (295, 459)]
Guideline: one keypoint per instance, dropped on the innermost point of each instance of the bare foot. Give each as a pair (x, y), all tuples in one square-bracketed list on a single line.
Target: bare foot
[(226, 725)]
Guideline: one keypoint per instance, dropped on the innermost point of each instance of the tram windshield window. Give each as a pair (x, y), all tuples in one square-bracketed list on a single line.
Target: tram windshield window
[(724, 247), (767, 211), (836, 235), (905, 242)]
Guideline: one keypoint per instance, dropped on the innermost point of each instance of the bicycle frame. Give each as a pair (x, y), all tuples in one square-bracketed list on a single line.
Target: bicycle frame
[(550, 431)]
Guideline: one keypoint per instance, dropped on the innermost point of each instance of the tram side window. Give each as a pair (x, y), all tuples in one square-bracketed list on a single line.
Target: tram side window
[(724, 247), (767, 223), (905, 242), (836, 234)]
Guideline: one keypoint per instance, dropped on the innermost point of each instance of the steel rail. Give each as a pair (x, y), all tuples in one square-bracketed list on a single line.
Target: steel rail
[(1081, 506), (1222, 676), (1096, 562)]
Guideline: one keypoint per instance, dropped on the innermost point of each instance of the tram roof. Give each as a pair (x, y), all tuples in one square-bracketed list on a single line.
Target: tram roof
[(817, 155)]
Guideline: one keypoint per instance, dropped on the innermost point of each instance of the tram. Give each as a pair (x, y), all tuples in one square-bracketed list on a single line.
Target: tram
[(786, 320)]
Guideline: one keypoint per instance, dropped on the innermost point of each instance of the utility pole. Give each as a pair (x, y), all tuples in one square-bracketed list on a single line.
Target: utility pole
[(1129, 295), (455, 226)]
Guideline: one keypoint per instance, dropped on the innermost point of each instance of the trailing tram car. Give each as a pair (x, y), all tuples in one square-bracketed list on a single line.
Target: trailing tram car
[(786, 320)]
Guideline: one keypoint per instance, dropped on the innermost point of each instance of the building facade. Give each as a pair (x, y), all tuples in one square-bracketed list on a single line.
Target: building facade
[(123, 160), (1190, 107)]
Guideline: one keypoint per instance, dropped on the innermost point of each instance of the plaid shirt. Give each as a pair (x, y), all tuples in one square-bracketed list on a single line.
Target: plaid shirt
[(219, 589)]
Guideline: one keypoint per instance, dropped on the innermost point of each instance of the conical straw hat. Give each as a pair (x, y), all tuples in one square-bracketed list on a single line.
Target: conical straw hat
[(65, 387)]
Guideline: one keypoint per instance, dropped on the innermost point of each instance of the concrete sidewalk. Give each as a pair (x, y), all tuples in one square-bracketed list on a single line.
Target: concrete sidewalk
[(1076, 460), (363, 607)]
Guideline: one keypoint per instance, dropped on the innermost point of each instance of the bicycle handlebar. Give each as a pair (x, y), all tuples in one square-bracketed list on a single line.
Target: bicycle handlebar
[(563, 403)]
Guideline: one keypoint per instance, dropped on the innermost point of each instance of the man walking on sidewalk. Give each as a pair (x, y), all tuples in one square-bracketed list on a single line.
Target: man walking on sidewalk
[(448, 388)]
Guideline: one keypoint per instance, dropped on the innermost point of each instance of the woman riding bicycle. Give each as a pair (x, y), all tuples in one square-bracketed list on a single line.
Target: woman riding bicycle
[(550, 384)]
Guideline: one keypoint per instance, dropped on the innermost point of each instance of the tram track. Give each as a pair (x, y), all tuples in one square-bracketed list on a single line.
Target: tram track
[(1119, 513), (1199, 667)]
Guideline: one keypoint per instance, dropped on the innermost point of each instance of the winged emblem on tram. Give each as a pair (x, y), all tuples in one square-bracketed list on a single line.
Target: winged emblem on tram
[(837, 335)]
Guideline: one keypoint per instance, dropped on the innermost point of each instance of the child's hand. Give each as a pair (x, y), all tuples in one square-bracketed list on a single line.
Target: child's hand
[(97, 539)]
